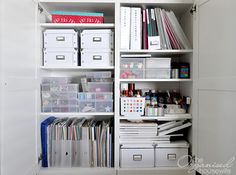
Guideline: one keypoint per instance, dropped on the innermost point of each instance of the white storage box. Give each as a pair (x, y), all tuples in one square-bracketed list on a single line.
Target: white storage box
[(97, 39), (158, 63), (60, 38), (136, 156), (158, 73), (169, 155), (96, 58), (60, 58)]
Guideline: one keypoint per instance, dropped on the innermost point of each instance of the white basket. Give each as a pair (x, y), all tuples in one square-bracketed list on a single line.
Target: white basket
[(132, 106)]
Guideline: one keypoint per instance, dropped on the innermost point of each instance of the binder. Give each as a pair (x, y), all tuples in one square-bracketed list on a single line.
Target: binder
[(135, 30), (145, 34), (125, 28), (44, 140)]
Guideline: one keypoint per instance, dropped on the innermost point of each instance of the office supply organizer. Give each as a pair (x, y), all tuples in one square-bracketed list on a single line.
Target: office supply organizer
[(132, 106)]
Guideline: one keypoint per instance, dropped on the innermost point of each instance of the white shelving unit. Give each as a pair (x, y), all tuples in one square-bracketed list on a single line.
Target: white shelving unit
[(212, 85)]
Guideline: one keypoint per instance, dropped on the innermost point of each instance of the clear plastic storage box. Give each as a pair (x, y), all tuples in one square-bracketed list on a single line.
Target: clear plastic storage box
[(56, 80), (158, 73), (100, 86), (60, 87), (132, 68)]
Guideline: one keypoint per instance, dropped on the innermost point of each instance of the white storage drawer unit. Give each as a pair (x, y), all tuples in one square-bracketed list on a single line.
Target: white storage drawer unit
[(169, 157), (60, 38), (158, 63), (132, 156), (96, 58), (97, 39), (60, 58)]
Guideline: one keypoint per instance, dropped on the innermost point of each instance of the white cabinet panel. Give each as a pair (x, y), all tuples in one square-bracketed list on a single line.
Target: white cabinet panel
[(18, 112), (216, 81)]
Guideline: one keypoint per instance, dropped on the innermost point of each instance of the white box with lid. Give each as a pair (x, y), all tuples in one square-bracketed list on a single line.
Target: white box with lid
[(60, 38), (60, 58), (137, 156), (96, 58), (97, 39), (172, 155)]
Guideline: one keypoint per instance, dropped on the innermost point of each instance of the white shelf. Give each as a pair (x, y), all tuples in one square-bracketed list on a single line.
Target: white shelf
[(77, 171), (77, 114), (169, 117), (78, 68), (155, 80), (73, 25), (158, 52)]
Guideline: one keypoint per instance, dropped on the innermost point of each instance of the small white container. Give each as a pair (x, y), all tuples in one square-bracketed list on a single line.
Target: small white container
[(97, 39), (96, 58), (60, 58), (136, 156), (60, 38)]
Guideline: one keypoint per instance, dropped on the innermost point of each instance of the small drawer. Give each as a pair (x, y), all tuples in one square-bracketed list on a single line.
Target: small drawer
[(58, 95), (65, 88), (60, 38), (132, 73), (158, 73), (137, 158), (87, 106), (132, 63), (96, 58), (158, 63), (56, 80), (169, 157), (97, 39), (60, 58), (83, 96), (104, 106), (104, 96), (100, 86)]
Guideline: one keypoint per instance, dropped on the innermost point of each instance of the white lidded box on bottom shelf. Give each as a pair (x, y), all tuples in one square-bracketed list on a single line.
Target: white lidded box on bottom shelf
[(60, 58), (136, 156), (97, 39), (96, 58), (60, 38), (172, 155)]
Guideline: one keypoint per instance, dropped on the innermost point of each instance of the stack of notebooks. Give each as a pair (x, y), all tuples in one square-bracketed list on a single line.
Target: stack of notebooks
[(152, 29), (146, 132), (76, 17), (73, 142)]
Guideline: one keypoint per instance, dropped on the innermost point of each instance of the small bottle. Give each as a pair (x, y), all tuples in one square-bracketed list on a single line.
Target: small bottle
[(131, 88), (168, 97), (161, 97), (153, 98)]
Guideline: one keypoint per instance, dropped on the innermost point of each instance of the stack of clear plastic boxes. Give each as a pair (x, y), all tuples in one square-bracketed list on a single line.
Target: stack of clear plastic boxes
[(97, 95), (59, 95)]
